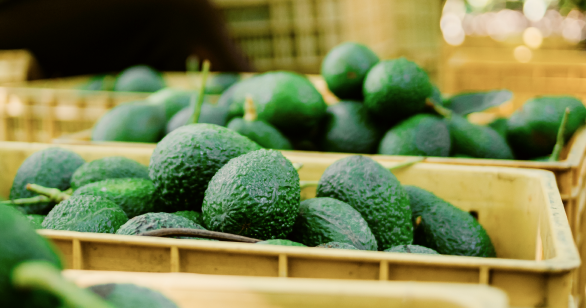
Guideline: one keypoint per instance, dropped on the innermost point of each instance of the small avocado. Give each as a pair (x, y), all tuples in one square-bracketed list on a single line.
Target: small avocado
[(172, 100), (139, 78), (131, 122), (185, 161), (255, 195), (113, 167), (337, 245), (209, 113), (280, 242), (476, 140), (348, 128), (196, 217), (218, 83), (86, 214), (419, 135), (446, 228), (36, 220), (126, 295), (51, 167), (500, 126), (322, 220), (375, 193), (100, 82), (156, 221), (412, 249), (344, 69)]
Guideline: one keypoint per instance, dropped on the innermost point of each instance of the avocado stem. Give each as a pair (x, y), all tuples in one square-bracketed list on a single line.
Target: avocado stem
[(41, 275), (54, 194), (221, 236), (27, 201), (197, 107), (443, 111), (407, 163), (250, 114), (559, 143)]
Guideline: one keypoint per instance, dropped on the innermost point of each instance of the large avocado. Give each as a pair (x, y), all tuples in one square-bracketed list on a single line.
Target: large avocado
[(125, 295), (196, 217), (156, 221), (139, 78), (220, 82), (281, 243), (419, 135), (114, 167), (171, 99), (261, 132), (36, 220), (209, 113), (131, 122), (476, 140), (336, 245), (412, 249)]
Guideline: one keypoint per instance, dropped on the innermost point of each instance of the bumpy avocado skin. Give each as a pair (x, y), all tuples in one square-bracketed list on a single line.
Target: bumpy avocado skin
[(114, 167), (134, 196), (261, 132), (255, 195), (185, 161), (344, 69), (323, 220), (139, 78), (156, 221), (131, 122), (19, 242), (337, 245), (209, 113), (375, 193), (412, 249), (348, 128), (445, 228), (86, 214), (532, 130), (419, 135), (172, 100), (52, 167), (125, 295), (280, 242), (36, 220), (476, 140)]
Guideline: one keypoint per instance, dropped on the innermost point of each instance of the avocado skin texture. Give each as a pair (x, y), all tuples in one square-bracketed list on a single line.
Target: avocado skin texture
[(218, 83), (263, 133), (348, 128), (52, 167), (344, 69), (126, 295), (532, 130), (172, 100), (500, 126), (131, 122), (139, 78), (336, 245), (134, 196), (156, 221), (396, 89), (476, 140), (322, 220), (36, 220), (255, 195), (196, 217), (114, 167), (375, 193), (445, 228), (86, 214), (412, 249), (419, 135), (20, 243), (280, 242), (185, 161), (209, 113)]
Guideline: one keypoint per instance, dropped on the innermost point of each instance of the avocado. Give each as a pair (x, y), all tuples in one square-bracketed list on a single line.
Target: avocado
[(126, 295), (255, 195), (51, 167), (196, 217), (86, 214), (532, 130), (280, 242), (419, 135), (156, 221), (218, 83), (348, 128), (446, 228), (172, 100), (36, 220), (337, 245), (185, 161), (322, 220), (20, 243), (476, 140), (344, 69), (100, 82), (395, 90), (412, 249), (113, 167), (134, 196), (139, 78), (131, 122), (500, 126), (375, 193), (209, 113)]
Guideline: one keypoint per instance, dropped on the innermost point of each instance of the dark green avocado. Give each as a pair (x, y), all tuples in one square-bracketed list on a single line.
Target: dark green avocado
[(280, 242), (419, 135), (125, 295), (114, 167), (36, 220), (412, 249), (131, 122), (209, 113), (196, 217), (172, 100), (500, 126), (476, 140), (336, 245), (156, 221), (218, 83), (139, 78)]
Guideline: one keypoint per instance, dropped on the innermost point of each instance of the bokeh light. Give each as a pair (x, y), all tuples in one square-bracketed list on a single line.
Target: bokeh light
[(522, 54), (534, 10), (532, 37)]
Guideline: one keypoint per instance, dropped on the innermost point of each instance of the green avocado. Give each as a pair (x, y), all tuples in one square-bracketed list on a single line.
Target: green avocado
[(52, 167), (20, 243), (375, 193), (412, 249), (113, 167), (36, 220), (337, 245), (218, 83), (196, 217), (134, 196), (395, 90), (131, 122), (125, 295), (209, 113), (172, 100), (139, 78), (156, 221), (322, 220), (500, 126), (99, 83), (348, 128), (419, 135), (185, 161), (86, 214), (255, 195), (280, 242), (476, 140), (344, 69), (532, 130), (446, 228)]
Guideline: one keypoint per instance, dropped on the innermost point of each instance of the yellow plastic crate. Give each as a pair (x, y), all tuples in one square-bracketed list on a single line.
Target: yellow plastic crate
[(521, 210), (16, 65)]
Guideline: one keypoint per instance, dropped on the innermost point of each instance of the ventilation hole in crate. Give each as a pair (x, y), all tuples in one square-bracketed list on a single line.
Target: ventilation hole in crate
[(474, 214)]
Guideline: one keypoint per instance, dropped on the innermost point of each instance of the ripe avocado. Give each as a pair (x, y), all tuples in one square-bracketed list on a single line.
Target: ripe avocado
[(86, 214), (172, 100), (131, 122), (337, 245), (209, 113), (375, 193), (52, 167), (218, 83), (156, 221), (419, 135), (125, 295), (322, 220), (344, 69), (196, 217), (36, 220), (185, 161), (280, 242), (446, 228), (139, 78), (255, 195), (113, 167), (348, 128), (476, 140), (412, 249)]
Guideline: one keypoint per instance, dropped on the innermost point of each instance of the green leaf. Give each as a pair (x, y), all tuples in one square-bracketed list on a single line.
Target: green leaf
[(466, 103)]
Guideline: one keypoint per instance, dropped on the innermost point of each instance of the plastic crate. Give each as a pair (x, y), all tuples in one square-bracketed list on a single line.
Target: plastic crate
[(194, 291), (16, 65), (521, 209)]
